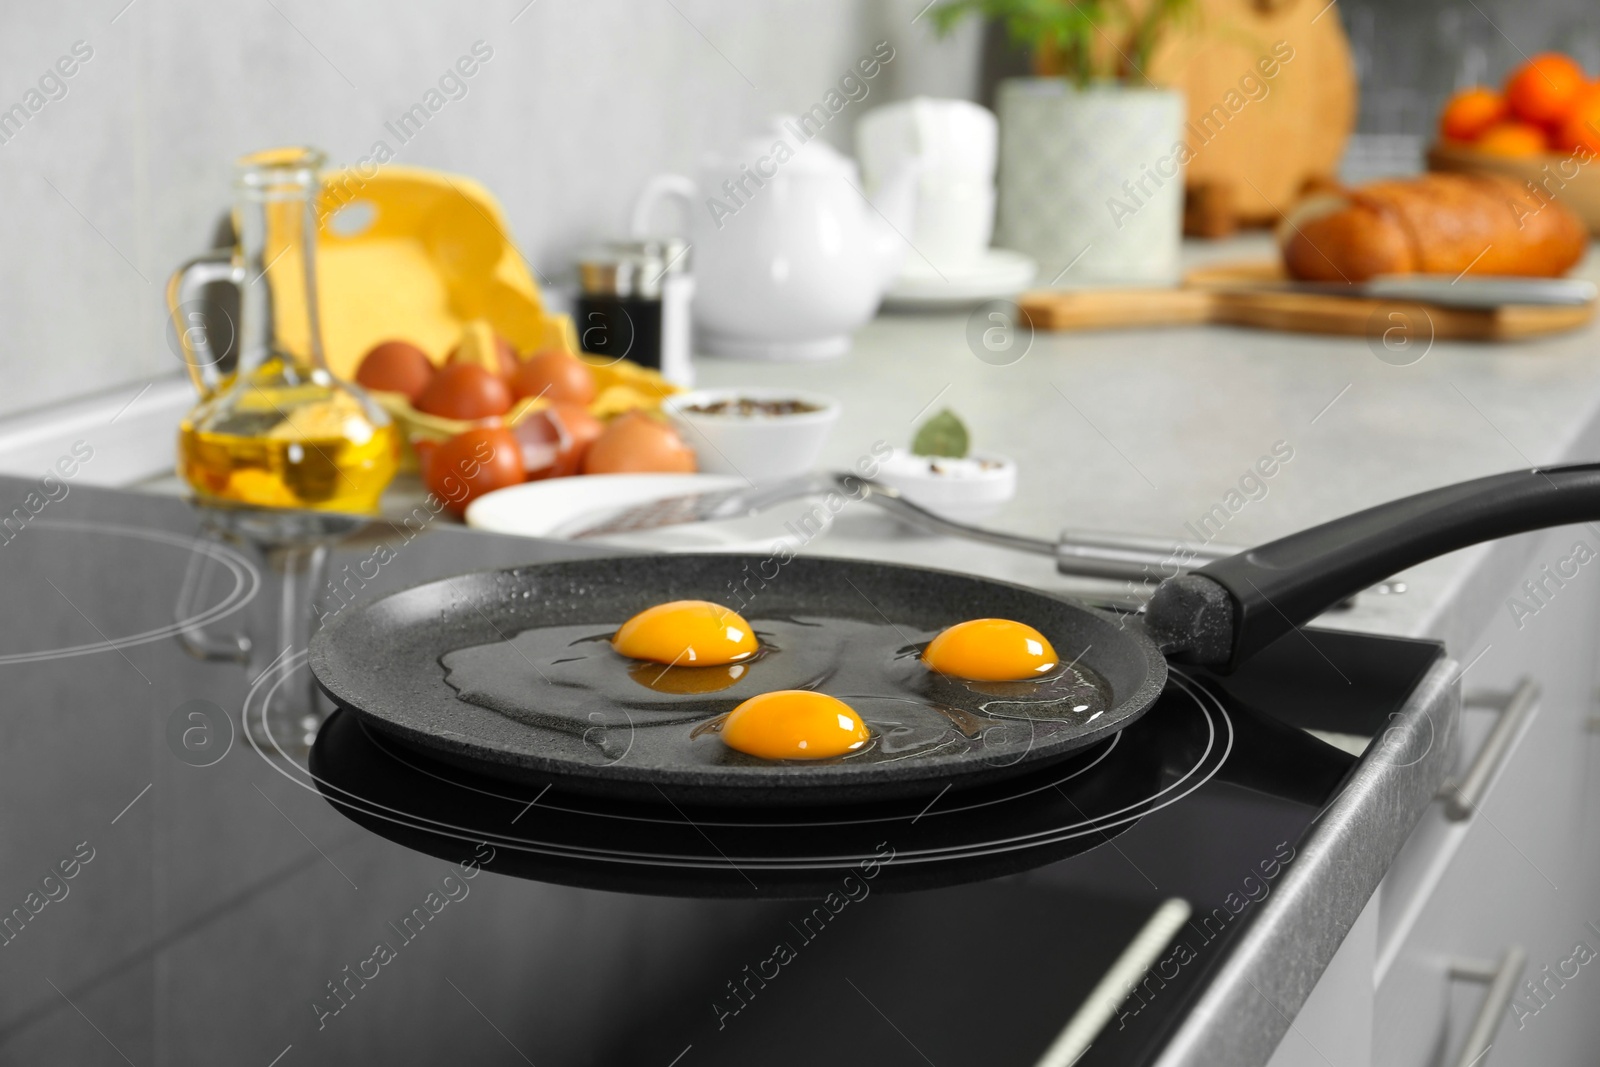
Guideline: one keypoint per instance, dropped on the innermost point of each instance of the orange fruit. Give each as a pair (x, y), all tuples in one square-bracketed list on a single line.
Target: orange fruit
[(1580, 130), (1470, 112), (1543, 89), (1512, 139)]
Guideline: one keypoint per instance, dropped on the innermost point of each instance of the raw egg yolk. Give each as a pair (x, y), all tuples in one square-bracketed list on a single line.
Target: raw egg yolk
[(990, 650), (686, 681), (794, 724), (688, 633)]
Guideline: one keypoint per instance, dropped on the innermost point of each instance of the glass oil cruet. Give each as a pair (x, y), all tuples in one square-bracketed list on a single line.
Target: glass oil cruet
[(278, 430)]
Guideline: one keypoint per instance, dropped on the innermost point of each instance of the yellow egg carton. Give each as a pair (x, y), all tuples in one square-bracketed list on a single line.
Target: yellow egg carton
[(418, 255), (410, 254), (623, 385)]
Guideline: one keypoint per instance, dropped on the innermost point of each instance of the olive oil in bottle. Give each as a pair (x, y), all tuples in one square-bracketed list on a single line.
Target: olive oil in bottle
[(280, 431)]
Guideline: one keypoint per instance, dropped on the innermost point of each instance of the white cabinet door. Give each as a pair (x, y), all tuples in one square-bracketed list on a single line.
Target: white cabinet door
[(1517, 871)]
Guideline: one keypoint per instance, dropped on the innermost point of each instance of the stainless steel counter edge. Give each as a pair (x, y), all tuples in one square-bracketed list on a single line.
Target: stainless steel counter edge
[(1338, 868)]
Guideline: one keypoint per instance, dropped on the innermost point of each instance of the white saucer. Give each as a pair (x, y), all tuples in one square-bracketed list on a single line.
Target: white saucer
[(998, 273), (535, 509)]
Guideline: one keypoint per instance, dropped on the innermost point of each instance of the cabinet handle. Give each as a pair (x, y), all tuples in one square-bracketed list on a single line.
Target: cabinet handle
[(1501, 978), (1462, 795)]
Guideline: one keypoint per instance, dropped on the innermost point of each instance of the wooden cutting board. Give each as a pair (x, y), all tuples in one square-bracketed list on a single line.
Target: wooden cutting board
[(1254, 138), (1220, 296)]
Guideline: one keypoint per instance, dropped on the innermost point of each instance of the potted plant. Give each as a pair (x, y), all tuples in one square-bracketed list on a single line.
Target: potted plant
[(1091, 153)]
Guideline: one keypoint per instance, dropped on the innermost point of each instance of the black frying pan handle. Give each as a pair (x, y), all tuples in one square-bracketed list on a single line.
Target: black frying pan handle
[(1284, 583)]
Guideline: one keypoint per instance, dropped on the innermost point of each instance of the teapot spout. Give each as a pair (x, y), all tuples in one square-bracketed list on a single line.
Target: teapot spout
[(895, 203)]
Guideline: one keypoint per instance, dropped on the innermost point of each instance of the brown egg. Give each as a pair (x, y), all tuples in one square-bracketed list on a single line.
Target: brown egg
[(556, 376), (635, 443), (555, 439), (396, 367), (465, 391), (580, 430), (471, 464), (504, 351)]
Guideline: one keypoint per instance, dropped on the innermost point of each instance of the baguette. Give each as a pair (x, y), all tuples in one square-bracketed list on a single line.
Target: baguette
[(1432, 224)]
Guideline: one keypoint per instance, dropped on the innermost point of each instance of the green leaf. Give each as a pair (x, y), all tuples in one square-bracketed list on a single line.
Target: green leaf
[(942, 435)]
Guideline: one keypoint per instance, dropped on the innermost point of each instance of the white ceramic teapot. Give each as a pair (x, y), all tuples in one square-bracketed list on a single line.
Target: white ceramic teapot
[(790, 256)]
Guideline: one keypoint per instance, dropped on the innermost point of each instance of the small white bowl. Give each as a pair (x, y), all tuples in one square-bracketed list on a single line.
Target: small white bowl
[(763, 448), (961, 489)]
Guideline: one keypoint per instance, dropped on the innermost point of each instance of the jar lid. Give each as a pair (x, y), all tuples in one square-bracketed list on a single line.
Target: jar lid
[(632, 268), (672, 252)]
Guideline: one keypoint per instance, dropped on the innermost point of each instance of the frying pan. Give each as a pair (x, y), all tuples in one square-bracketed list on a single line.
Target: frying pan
[(385, 661)]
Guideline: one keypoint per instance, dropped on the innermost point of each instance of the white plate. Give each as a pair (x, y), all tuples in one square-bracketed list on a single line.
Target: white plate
[(533, 509), (998, 273)]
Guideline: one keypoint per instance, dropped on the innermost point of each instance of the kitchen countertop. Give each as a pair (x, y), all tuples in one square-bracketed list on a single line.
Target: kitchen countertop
[(1143, 431)]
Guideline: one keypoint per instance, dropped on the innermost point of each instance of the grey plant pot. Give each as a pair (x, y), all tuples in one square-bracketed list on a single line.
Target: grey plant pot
[(1092, 179)]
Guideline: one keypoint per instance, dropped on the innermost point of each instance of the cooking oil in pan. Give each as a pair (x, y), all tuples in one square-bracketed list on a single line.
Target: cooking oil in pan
[(568, 680)]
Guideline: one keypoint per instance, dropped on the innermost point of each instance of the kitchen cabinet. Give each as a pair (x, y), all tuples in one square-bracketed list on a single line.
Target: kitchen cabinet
[(1514, 878)]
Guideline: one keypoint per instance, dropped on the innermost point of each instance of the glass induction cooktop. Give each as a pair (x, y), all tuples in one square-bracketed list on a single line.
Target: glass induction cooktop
[(199, 869)]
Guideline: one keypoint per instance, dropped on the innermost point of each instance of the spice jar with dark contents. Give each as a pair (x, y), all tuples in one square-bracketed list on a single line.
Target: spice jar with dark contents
[(633, 303)]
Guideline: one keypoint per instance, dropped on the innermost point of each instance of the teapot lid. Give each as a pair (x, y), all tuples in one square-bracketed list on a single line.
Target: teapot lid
[(803, 150)]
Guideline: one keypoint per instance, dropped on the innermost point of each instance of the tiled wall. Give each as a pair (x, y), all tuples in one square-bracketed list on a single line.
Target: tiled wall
[(1411, 54), (108, 187)]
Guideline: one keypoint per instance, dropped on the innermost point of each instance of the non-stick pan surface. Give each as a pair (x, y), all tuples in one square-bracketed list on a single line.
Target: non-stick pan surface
[(437, 666), (399, 663)]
